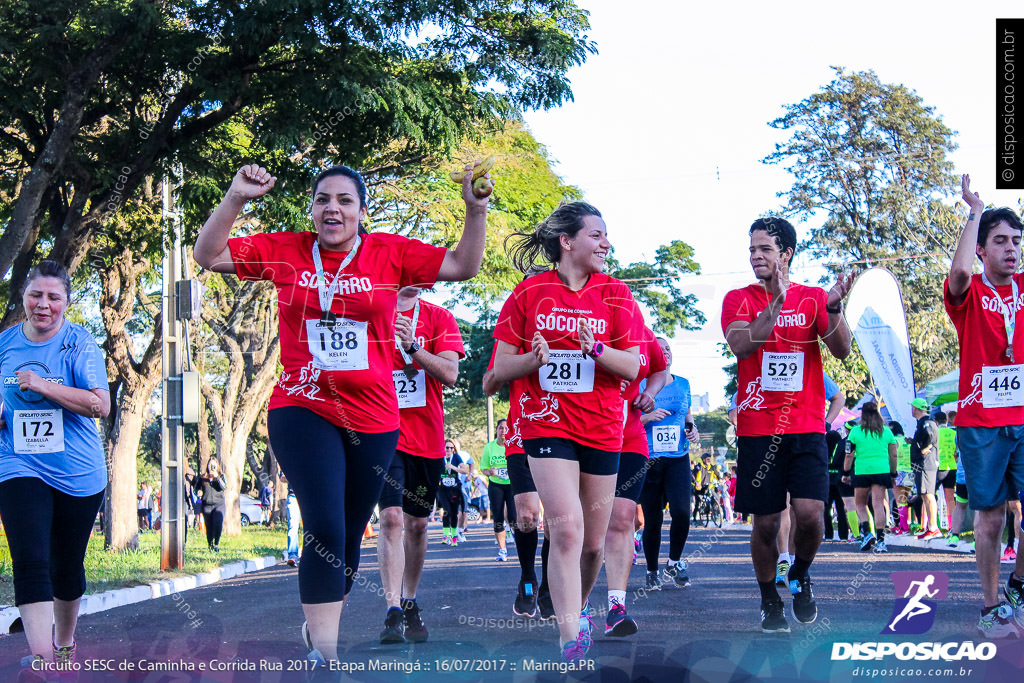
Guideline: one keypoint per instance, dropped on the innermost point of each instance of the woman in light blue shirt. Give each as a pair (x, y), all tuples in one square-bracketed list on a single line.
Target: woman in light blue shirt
[(52, 467)]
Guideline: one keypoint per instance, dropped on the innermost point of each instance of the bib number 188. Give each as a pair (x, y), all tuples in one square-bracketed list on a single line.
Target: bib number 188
[(339, 340)]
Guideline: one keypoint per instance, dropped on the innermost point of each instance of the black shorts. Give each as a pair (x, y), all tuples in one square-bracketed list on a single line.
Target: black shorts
[(519, 475), (632, 472), (769, 467), (591, 460), (960, 493), (946, 479), (866, 481), (412, 483)]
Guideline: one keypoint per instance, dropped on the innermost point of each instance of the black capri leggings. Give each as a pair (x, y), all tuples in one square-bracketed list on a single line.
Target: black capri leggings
[(450, 499), (48, 532), (337, 475), (667, 479), (501, 498), (214, 522)]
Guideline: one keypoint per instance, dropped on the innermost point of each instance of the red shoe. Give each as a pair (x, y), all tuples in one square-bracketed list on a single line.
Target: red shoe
[(1009, 555), (930, 534), (896, 531)]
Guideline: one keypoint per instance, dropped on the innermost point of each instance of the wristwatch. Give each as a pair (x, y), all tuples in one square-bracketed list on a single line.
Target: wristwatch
[(834, 311), (597, 350), (413, 348)]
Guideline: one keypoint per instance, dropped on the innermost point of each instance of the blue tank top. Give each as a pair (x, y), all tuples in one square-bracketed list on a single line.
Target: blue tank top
[(41, 439), (667, 438)]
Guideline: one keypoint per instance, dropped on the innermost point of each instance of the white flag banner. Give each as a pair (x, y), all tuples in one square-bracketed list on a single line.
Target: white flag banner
[(875, 312)]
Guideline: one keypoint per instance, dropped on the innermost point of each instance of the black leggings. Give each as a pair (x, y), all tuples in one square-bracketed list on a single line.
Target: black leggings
[(844, 523), (337, 475), (449, 499), (48, 533), (502, 498), (667, 479), (214, 521)]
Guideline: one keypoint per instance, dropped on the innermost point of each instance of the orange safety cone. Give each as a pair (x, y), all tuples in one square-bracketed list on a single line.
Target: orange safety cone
[(369, 532)]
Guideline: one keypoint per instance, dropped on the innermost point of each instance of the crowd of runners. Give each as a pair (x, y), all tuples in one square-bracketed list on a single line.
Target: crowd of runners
[(597, 442)]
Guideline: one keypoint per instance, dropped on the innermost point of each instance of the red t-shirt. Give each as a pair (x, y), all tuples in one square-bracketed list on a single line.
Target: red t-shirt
[(422, 430), (982, 335), (513, 439), (361, 399), (775, 396), (652, 360), (572, 396)]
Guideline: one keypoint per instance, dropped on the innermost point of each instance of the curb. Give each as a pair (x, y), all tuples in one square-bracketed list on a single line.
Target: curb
[(100, 602)]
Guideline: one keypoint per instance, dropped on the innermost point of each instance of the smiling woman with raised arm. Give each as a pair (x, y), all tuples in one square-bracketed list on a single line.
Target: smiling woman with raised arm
[(333, 419), (52, 467), (572, 334)]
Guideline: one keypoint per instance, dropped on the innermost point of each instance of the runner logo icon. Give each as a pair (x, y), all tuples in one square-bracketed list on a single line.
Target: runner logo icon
[(916, 596)]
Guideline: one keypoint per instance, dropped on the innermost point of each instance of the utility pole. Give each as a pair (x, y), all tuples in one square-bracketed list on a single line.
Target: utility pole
[(180, 389)]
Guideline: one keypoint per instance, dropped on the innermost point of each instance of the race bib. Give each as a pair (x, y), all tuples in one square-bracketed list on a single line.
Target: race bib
[(1002, 386), (341, 345), (448, 481), (39, 431), (666, 438), (782, 371), (502, 472), (412, 392), (567, 372)]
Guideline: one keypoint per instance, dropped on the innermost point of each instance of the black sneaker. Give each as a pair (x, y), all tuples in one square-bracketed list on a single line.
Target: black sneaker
[(394, 627), (676, 573), (618, 623), (526, 600), (415, 629), (773, 617), (544, 604), (804, 608), (653, 582)]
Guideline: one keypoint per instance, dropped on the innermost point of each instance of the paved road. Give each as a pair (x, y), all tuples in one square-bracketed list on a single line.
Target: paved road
[(708, 631)]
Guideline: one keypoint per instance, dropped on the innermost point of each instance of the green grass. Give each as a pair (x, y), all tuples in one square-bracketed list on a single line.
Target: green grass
[(105, 570)]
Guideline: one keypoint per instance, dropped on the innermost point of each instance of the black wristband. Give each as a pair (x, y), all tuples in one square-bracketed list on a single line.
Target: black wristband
[(847, 473), (834, 311), (893, 474)]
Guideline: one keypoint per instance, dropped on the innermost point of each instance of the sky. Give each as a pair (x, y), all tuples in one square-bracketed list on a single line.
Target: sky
[(670, 121)]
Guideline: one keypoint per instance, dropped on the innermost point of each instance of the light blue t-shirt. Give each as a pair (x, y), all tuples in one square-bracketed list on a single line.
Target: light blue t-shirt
[(670, 431), (31, 443)]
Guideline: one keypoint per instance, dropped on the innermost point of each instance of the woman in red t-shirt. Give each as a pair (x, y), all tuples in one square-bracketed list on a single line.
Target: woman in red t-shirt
[(333, 419), (572, 335)]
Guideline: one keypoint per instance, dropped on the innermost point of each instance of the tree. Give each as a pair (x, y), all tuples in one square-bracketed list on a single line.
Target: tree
[(655, 285), (871, 159), (99, 95)]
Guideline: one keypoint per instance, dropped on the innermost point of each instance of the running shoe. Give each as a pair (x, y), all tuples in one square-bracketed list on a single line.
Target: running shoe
[(572, 652), (447, 540), (880, 547), (316, 659), (394, 627), (1015, 596), (780, 572), (292, 562), (618, 623), (32, 669), (804, 608), (636, 541), (462, 536), (502, 555), (929, 535), (526, 600), (634, 558), (1009, 556), (586, 637), (998, 623), (455, 542), (868, 542), (972, 547), (63, 655), (953, 540), (653, 582), (773, 617), (675, 574), (916, 529), (415, 629), (544, 604)]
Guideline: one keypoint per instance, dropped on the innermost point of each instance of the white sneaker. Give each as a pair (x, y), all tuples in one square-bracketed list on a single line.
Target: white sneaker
[(462, 537), (502, 555), (998, 623)]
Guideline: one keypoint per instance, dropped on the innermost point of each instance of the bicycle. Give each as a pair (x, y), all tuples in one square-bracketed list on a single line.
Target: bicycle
[(709, 510)]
